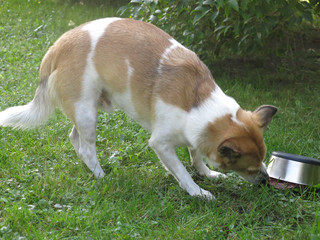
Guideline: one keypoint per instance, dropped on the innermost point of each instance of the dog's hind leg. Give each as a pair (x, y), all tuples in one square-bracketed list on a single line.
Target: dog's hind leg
[(83, 140), (200, 166), (104, 104), (83, 136), (83, 113), (75, 139)]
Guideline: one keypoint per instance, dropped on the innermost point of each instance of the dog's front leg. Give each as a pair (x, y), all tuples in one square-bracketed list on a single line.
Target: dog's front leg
[(167, 154), (203, 170)]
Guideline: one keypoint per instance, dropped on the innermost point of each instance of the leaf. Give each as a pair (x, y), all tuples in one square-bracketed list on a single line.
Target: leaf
[(136, 1), (185, 33), (199, 16), (234, 4), (153, 18), (122, 10), (259, 38), (136, 10), (244, 4), (236, 28), (220, 3), (226, 29), (198, 8), (243, 39), (219, 28), (196, 18), (307, 15), (208, 2), (214, 16)]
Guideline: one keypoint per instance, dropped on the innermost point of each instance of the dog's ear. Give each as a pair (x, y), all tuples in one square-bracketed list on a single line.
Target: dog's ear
[(229, 153), (263, 115)]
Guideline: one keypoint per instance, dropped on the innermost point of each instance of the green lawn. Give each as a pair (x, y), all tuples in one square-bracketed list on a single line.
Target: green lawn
[(47, 193)]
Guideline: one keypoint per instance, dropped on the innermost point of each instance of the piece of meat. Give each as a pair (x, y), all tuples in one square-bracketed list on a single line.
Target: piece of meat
[(282, 185)]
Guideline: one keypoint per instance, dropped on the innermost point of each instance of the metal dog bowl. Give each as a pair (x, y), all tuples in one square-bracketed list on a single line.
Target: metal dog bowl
[(294, 168)]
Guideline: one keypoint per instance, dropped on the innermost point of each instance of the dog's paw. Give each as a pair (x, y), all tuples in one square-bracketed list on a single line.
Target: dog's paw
[(206, 195), (200, 193), (98, 173), (215, 175)]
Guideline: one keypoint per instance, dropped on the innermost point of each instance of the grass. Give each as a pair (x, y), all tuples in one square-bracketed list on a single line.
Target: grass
[(47, 193)]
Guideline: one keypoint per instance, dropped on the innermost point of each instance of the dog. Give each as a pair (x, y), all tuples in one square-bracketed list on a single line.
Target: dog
[(164, 86)]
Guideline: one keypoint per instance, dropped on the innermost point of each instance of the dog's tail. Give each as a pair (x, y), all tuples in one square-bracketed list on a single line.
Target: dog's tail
[(39, 109)]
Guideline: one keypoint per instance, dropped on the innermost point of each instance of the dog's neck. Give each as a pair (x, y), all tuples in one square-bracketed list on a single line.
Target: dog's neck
[(216, 106)]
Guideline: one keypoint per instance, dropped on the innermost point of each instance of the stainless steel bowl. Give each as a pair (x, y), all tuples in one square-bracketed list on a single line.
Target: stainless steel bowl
[(294, 168)]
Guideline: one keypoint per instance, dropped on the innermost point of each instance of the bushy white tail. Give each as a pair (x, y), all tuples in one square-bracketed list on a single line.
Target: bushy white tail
[(32, 114)]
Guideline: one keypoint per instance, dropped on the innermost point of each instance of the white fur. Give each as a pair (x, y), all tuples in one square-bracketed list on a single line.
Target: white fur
[(216, 106), (174, 44), (97, 28), (83, 135), (175, 127), (35, 112), (91, 84), (124, 100), (170, 121), (167, 134)]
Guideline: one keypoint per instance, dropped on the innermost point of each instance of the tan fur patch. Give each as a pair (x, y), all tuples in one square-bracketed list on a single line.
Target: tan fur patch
[(185, 80), (139, 43), (68, 57), (247, 138)]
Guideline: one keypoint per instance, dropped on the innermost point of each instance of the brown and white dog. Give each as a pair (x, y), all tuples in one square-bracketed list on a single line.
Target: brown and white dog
[(162, 85)]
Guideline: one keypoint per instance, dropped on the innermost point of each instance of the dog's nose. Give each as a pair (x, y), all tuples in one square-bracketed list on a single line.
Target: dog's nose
[(264, 182)]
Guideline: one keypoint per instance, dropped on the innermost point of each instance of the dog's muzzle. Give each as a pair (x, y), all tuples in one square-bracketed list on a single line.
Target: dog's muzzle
[(264, 178)]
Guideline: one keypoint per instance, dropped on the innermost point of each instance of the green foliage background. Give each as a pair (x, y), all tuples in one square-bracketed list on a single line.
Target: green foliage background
[(231, 27)]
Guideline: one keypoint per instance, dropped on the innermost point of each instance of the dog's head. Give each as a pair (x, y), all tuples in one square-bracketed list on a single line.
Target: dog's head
[(237, 143)]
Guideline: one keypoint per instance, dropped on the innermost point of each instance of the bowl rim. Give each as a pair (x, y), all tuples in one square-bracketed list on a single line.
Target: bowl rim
[(297, 158)]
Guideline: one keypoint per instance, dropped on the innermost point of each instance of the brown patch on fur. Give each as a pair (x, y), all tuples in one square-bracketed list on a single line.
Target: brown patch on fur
[(185, 80), (68, 56), (254, 131), (246, 138), (139, 43)]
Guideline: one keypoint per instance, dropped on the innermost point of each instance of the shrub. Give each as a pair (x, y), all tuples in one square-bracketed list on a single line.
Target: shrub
[(224, 27)]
